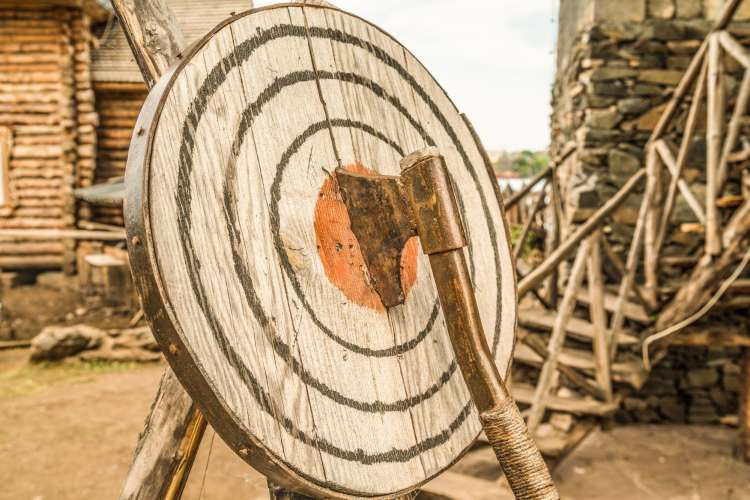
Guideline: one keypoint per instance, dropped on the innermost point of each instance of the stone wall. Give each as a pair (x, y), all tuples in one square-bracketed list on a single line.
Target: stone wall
[(694, 385), (618, 63)]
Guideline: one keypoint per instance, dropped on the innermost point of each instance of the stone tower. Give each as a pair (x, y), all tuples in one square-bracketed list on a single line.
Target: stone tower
[(618, 63)]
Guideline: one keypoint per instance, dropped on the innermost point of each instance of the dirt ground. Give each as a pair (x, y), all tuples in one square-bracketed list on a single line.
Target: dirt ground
[(25, 310), (67, 432)]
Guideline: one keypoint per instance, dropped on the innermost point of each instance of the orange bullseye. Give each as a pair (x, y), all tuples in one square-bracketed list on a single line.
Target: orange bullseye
[(340, 253)]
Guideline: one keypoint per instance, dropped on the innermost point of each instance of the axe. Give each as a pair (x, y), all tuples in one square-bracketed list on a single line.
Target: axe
[(385, 212)]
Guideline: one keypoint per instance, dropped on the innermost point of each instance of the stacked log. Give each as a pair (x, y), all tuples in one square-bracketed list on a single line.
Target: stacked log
[(35, 105), (118, 105)]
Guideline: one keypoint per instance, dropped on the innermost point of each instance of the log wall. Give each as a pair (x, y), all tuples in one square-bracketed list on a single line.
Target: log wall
[(118, 106), (47, 102)]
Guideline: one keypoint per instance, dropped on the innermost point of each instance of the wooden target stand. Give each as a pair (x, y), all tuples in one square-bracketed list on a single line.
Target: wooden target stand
[(261, 290)]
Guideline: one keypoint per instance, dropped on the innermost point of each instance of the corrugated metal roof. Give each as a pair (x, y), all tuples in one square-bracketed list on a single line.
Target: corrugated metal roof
[(113, 61), (108, 194)]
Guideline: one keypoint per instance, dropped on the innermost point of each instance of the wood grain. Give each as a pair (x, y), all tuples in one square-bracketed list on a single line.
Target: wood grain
[(331, 394)]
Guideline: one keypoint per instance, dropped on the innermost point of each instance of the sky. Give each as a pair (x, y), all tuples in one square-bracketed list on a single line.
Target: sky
[(495, 58)]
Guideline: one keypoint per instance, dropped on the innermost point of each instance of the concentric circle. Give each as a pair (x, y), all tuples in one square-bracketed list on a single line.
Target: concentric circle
[(334, 394)]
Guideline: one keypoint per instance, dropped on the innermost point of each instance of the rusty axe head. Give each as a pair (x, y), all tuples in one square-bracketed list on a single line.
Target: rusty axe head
[(381, 210)]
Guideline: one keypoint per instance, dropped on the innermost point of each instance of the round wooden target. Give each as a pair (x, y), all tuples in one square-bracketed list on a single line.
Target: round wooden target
[(252, 278)]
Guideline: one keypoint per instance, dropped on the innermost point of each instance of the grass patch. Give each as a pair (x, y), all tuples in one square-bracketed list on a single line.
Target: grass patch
[(530, 244), (29, 378)]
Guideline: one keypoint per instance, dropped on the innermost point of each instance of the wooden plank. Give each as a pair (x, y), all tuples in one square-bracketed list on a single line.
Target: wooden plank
[(578, 328), (579, 380), (557, 339), (632, 310), (55, 234), (629, 371), (524, 394)]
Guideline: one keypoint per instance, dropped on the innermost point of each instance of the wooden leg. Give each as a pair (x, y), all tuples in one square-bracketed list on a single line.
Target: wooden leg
[(167, 446), (743, 447)]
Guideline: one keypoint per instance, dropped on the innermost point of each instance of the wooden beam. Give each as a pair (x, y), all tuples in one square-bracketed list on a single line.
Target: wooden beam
[(167, 446), (743, 445), (663, 147), (620, 267), (687, 138), (59, 234), (153, 34), (534, 278), (709, 273), (527, 188), (733, 131), (557, 339), (538, 204), (651, 227), (679, 94), (713, 143), (734, 48), (524, 393), (160, 465), (536, 344), (599, 316), (692, 71)]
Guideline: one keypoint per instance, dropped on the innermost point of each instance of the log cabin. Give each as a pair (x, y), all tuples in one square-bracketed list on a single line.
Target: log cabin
[(70, 93)]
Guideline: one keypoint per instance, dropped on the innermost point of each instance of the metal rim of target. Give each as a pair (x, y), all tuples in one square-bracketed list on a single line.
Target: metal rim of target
[(250, 275)]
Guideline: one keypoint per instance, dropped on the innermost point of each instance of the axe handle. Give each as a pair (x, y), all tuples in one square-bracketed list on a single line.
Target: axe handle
[(427, 189)]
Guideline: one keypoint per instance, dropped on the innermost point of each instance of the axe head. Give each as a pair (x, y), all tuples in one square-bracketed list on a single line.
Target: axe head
[(382, 222)]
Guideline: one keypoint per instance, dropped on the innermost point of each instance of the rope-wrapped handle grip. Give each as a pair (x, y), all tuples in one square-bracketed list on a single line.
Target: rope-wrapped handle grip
[(527, 473)]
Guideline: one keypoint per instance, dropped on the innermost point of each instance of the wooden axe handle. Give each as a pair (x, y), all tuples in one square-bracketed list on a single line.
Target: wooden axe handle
[(427, 189)]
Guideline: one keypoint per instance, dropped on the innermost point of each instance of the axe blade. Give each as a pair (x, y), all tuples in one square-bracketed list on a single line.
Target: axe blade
[(382, 223)]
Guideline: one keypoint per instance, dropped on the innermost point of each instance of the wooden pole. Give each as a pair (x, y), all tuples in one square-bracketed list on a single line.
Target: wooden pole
[(664, 150), (713, 140), (153, 34), (620, 267), (687, 79), (527, 188), (167, 446), (530, 221), (557, 339), (534, 278), (553, 291), (628, 279), (651, 228), (743, 447), (599, 316), (687, 138), (709, 273), (733, 131)]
